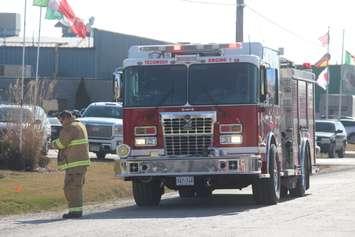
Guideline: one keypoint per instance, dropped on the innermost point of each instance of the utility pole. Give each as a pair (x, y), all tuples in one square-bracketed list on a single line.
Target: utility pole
[(239, 23)]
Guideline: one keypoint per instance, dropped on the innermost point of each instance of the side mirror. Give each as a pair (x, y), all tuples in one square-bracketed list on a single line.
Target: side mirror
[(117, 85), (38, 122), (338, 131)]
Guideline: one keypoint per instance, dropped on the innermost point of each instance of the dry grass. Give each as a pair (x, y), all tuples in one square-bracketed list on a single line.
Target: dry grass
[(22, 192)]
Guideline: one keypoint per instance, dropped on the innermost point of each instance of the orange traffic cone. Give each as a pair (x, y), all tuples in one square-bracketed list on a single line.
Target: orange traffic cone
[(18, 188)]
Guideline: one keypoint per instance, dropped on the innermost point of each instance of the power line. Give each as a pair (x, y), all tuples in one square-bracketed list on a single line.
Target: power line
[(280, 26), (267, 19), (208, 3)]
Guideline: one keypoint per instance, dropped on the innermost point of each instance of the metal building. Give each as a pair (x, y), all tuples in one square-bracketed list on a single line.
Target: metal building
[(341, 81), (64, 62)]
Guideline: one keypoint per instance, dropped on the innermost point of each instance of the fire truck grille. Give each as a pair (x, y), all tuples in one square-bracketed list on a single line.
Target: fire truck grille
[(99, 131), (180, 126), (187, 137), (187, 145)]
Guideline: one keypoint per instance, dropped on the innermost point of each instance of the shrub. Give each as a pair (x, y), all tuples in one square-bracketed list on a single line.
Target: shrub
[(31, 156)]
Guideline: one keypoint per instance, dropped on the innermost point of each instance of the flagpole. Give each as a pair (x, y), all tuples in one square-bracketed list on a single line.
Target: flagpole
[(37, 61), (341, 76), (23, 72), (327, 92)]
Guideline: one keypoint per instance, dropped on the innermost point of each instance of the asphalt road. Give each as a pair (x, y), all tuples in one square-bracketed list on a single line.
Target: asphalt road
[(328, 209)]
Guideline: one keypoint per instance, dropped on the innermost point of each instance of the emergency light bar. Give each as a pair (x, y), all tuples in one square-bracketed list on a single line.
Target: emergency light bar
[(189, 47)]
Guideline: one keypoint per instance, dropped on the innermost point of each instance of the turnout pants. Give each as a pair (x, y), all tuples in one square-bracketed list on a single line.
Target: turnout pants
[(73, 188)]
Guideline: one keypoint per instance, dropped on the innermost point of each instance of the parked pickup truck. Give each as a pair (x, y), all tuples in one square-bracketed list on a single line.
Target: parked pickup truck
[(103, 121)]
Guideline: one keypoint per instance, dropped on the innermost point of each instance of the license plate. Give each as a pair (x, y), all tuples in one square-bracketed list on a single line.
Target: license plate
[(185, 181), (94, 148)]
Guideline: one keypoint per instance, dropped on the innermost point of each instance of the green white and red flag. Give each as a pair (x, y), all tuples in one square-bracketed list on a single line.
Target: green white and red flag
[(40, 3), (60, 9)]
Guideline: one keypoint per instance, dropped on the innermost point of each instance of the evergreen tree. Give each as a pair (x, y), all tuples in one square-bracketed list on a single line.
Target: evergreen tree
[(82, 98)]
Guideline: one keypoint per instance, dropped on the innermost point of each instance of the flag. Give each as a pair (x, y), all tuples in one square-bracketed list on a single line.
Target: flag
[(59, 9), (40, 3), (349, 58), (323, 61), (324, 39), (323, 79)]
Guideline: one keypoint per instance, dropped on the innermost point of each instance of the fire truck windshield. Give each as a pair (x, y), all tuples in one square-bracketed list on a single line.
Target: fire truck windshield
[(155, 85), (227, 83), (170, 85)]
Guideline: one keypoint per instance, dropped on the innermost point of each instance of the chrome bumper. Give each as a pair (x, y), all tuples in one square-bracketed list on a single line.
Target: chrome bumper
[(177, 166)]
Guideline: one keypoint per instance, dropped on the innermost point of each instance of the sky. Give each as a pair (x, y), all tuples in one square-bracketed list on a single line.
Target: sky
[(293, 25)]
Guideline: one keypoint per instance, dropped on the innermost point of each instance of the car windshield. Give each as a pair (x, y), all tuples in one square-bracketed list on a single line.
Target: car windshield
[(325, 127), (103, 111), (226, 83), (13, 115)]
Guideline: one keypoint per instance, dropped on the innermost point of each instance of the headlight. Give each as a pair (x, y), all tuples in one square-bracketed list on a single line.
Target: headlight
[(116, 130), (231, 139), (123, 150), (145, 141)]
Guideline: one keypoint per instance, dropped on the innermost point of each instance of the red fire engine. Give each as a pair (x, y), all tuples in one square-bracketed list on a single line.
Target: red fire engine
[(200, 117)]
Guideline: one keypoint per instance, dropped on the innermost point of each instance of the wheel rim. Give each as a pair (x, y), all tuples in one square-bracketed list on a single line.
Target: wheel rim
[(276, 177), (303, 167), (303, 174)]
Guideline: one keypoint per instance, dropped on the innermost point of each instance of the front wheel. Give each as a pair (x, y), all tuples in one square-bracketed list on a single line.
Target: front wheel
[(267, 191), (351, 138), (186, 193), (341, 152), (147, 193), (331, 152), (100, 155)]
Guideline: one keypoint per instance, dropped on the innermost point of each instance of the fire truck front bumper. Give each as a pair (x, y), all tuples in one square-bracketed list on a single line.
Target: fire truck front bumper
[(179, 166)]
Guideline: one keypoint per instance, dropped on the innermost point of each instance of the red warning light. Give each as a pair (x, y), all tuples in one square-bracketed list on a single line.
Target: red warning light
[(234, 45), (307, 66)]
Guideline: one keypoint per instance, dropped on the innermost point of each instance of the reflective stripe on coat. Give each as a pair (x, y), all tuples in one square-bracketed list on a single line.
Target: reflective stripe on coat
[(73, 146)]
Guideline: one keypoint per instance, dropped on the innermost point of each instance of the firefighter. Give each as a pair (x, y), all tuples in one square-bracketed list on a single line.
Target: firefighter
[(73, 157)]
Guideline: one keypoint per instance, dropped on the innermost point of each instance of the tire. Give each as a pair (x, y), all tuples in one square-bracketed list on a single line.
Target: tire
[(302, 183), (341, 152), (146, 193), (203, 192), (100, 155), (186, 193), (331, 152), (351, 138), (283, 192), (267, 191)]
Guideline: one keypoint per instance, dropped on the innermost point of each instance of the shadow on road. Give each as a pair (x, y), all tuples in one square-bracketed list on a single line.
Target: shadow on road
[(218, 204), (41, 221)]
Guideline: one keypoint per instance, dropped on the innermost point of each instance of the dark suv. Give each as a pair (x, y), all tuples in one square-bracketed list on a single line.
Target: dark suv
[(331, 137), (349, 124)]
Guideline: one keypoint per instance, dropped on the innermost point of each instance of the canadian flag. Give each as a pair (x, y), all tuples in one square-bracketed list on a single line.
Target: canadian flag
[(323, 79)]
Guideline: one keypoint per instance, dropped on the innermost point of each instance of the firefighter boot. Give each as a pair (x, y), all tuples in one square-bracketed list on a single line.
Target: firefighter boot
[(72, 215)]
